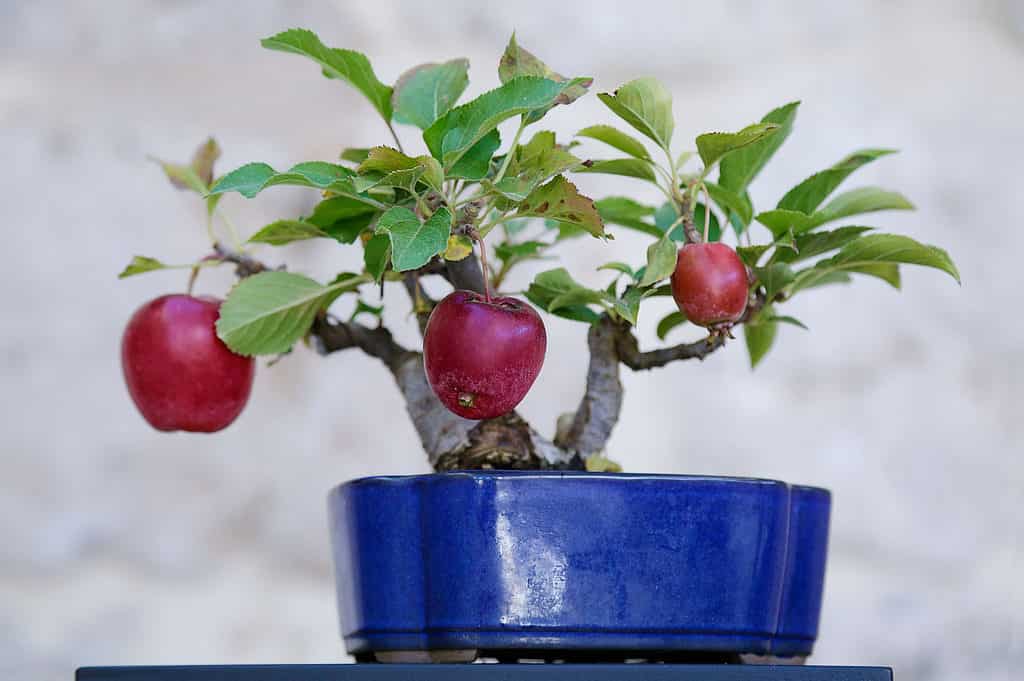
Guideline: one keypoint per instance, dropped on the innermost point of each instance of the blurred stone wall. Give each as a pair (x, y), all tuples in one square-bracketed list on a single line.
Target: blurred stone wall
[(119, 545)]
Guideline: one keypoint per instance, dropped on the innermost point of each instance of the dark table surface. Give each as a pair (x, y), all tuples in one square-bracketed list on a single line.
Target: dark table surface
[(486, 672)]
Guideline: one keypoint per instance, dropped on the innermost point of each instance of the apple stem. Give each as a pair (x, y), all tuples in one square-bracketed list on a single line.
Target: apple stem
[(707, 211), (483, 265), (192, 280)]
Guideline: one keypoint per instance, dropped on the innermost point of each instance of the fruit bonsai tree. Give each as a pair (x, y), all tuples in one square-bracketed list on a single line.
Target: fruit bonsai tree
[(467, 209)]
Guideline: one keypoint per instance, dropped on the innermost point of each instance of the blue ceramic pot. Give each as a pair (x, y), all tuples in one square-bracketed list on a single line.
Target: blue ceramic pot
[(578, 561)]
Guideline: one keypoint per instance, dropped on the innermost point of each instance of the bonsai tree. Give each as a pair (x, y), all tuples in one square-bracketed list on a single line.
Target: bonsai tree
[(468, 209)]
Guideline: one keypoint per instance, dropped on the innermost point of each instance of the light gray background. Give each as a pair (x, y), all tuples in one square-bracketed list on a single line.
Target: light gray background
[(120, 545)]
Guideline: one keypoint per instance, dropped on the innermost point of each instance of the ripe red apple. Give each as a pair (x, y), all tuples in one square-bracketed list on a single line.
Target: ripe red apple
[(710, 284), (482, 356), (180, 375)]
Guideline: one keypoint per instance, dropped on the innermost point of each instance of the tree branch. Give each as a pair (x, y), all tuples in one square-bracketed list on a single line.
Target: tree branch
[(332, 336), (630, 354), (599, 409), (466, 274)]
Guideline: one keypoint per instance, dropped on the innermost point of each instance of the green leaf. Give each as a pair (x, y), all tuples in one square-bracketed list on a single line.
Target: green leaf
[(363, 307), (618, 267), (866, 254), (252, 178), (669, 322), (286, 231), (342, 218), (760, 335), (348, 65), (809, 194), (738, 169), (750, 255), (626, 212), (815, 243), (661, 261), (476, 162), (525, 249), (266, 313), (647, 106), (560, 200), (785, 319), (414, 243), (425, 93), (355, 155), (853, 202), (713, 146), (376, 254), (627, 167), (628, 306), (731, 203), (459, 247), (517, 62), (534, 163), (140, 264), (198, 174), (618, 139), (548, 285), (775, 278), (454, 134), (858, 201), (577, 296)]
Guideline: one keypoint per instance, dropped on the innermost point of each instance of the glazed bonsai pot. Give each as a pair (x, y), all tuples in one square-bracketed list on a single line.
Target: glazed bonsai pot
[(565, 561)]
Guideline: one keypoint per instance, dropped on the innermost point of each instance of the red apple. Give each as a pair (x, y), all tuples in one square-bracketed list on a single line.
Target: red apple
[(180, 375), (710, 284), (482, 357)]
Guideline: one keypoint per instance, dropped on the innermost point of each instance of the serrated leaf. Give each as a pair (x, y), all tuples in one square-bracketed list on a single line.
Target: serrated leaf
[(348, 65), (548, 285), (355, 155), (854, 202), (342, 218), (560, 200), (738, 169), (760, 335), (617, 267), (414, 243), (459, 247), (669, 322), (661, 261), (534, 163), (454, 134), (750, 255), (627, 167), (866, 254), (628, 306), (141, 264), (198, 174), (713, 146), (425, 93), (577, 296), (252, 178), (815, 243), (475, 163), (517, 62), (283, 232), (809, 194), (626, 212), (731, 203), (525, 249), (618, 139), (858, 201), (775, 278), (647, 106), (266, 313), (376, 254)]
